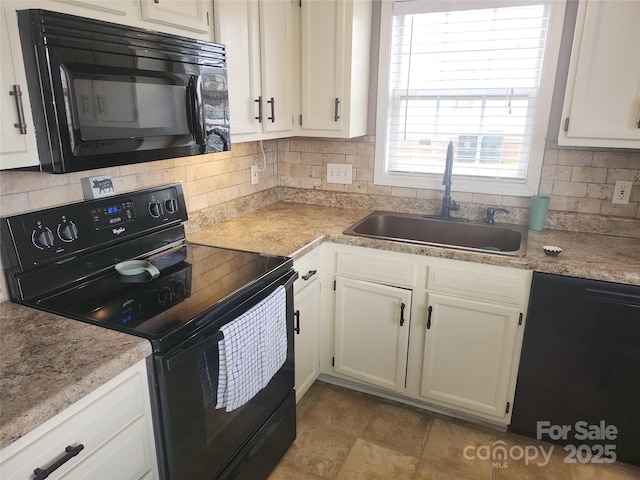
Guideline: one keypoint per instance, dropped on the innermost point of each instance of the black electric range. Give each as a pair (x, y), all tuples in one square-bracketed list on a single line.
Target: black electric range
[(63, 260)]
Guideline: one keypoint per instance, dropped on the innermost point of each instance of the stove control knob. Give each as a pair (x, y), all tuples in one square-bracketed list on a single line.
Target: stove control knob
[(164, 296), (67, 231), (171, 205), (178, 290), (42, 238), (155, 209)]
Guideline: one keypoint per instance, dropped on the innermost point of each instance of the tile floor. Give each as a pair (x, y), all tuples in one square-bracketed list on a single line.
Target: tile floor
[(348, 435)]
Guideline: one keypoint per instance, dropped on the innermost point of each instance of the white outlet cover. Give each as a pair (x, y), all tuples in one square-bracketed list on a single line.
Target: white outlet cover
[(622, 192), (340, 173)]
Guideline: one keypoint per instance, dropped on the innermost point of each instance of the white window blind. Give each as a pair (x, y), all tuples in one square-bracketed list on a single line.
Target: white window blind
[(471, 76)]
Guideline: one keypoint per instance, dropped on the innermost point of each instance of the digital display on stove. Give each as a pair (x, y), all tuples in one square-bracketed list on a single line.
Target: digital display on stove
[(113, 215)]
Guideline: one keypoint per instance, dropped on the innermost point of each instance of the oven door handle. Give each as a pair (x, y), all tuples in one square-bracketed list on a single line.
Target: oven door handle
[(193, 350), (208, 340)]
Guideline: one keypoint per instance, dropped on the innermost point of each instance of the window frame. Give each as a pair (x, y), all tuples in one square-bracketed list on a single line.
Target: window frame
[(504, 186)]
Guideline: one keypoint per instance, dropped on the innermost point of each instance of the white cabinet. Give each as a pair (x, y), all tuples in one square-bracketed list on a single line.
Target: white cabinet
[(602, 99), (190, 15), (444, 333), (307, 311), (467, 356), (335, 39), (104, 10), (17, 136), (372, 323), (112, 424), (259, 38)]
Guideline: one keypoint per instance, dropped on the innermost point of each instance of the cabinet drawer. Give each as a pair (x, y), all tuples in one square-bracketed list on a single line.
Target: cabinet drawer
[(382, 270), (499, 287), (90, 422), (308, 270), (125, 456)]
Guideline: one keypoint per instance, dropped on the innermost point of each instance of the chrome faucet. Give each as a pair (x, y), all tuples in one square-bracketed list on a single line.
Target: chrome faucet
[(448, 203)]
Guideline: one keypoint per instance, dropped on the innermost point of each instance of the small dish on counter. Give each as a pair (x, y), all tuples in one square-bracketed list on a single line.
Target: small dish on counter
[(551, 251)]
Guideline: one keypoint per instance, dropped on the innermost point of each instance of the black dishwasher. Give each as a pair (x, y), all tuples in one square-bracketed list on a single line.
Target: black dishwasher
[(579, 377)]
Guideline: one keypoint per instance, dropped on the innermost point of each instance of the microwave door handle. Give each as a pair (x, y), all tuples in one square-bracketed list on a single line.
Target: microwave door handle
[(195, 86)]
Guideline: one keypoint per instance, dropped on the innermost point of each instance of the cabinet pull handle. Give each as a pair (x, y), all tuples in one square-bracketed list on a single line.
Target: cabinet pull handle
[(22, 125), (41, 474), (336, 117), (309, 275), (429, 318), (297, 327), (402, 306), (273, 110), (259, 102)]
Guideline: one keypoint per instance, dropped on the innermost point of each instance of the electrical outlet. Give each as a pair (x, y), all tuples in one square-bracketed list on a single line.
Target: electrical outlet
[(622, 192), (340, 173), (255, 175)]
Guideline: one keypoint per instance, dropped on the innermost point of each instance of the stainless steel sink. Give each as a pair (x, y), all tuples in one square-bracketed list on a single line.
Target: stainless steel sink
[(478, 237)]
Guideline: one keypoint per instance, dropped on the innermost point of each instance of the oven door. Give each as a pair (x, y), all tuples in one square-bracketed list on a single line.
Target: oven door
[(203, 442)]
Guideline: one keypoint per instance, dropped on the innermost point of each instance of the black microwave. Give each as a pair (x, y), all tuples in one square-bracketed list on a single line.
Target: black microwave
[(104, 94)]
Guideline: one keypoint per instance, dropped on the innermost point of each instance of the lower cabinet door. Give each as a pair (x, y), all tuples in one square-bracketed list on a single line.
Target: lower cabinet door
[(307, 338), (468, 353), (372, 332)]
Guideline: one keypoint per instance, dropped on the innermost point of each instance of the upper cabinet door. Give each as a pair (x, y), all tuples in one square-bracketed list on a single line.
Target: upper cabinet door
[(17, 136), (190, 15), (238, 27), (602, 100), (335, 39), (276, 48), (259, 38)]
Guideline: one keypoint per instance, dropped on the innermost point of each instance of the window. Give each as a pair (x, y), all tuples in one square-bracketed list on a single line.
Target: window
[(479, 74)]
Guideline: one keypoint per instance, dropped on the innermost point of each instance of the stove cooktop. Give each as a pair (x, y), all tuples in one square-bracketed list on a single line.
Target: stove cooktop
[(194, 280)]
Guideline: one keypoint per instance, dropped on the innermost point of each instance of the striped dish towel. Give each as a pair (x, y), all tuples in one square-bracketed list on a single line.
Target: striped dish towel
[(252, 350)]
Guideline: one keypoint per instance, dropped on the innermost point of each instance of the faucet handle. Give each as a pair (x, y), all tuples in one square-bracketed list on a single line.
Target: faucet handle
[(491, 211)]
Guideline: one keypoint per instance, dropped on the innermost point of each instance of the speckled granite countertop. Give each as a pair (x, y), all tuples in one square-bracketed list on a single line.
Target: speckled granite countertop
[(294, 229), (49, 362)]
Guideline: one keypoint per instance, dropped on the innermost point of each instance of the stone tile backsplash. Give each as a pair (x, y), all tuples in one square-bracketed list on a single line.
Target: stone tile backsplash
[(578, 180)]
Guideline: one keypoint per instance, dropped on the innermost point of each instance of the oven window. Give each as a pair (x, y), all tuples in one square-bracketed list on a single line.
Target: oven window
[(133, 106)]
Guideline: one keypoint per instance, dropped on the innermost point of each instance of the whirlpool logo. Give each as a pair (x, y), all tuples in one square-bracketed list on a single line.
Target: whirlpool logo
[(118, 231)]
